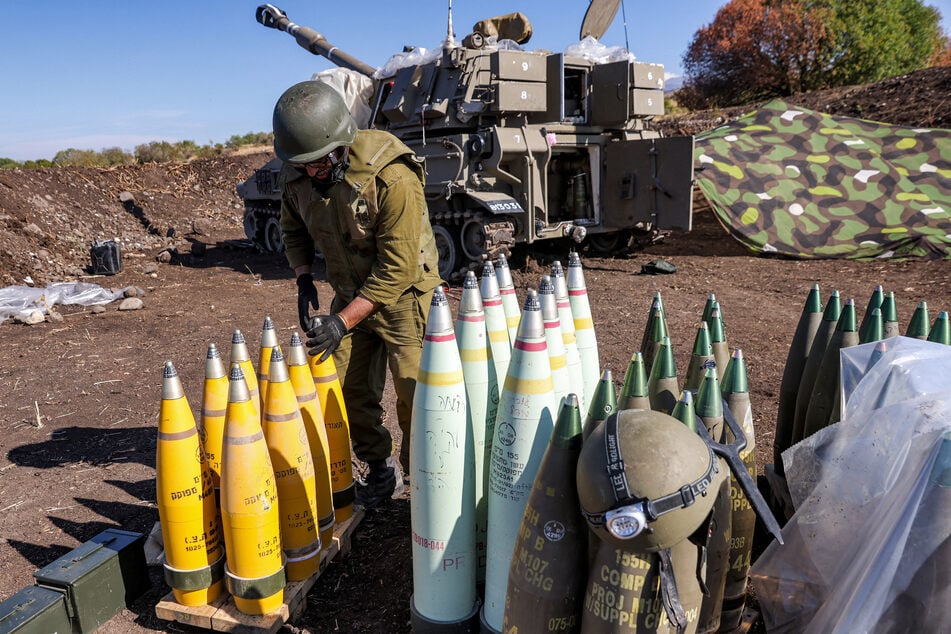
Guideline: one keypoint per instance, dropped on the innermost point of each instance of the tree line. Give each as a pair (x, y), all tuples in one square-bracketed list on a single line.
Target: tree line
[(760, 49), (152, 152)]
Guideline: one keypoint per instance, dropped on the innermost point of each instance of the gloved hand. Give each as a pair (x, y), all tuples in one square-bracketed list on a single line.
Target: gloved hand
[(306, 295), (326, 335)]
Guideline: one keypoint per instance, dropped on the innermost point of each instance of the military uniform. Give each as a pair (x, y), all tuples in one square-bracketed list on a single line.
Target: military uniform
[(373, 229)]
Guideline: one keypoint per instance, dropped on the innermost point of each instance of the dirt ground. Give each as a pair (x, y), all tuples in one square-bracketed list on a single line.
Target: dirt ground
[(79, 396)]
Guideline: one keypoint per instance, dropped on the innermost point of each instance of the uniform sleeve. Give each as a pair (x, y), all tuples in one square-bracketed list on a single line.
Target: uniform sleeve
[(298, 245), (399, 224)]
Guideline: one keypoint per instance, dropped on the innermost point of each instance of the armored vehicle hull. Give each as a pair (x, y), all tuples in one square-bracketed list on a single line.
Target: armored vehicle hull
[(519, 147)]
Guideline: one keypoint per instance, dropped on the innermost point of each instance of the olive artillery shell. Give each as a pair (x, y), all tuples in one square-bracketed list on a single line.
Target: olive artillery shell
[(718, 343), (330, 397), (560, 381), (890, 315), (662, 384), (799, 348), (482, 398), (874, 301), (567, 321), (658, 330), (821, 408), (827, 325), (719, 536), (708, 307), (873, 328), (634, 393), (313, 417), (240, 355), (625, 594), (603, 404), (442, 504), (186, 501), (549, 567), (268, 343), (919, 325), (522, 433), (584, 326), (495, 325), (701, 358), (289, 449), (250, 515), (509, 299), (684, 410), (648, 338), (736, 393), (941, 329), (709, 404), (214, 402)]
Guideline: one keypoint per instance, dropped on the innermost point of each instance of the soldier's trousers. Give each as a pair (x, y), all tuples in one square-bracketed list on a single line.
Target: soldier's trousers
[(391, 337)]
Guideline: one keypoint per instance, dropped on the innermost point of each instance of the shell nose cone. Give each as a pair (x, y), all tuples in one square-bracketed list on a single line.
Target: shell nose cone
[(214, 366), (546, 297), (268, 335), (296, 354), (171, 383), (238, 387), (471, 300), (575, 272), (440, 317), (277, 371), (531, 325), (503, 272), (490, 284)]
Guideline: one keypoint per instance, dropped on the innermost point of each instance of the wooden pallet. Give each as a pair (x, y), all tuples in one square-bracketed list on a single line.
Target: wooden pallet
[(223, 616)]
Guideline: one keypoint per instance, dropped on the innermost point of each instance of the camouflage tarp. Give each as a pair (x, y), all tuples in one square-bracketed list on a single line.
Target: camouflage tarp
[(799, 183)]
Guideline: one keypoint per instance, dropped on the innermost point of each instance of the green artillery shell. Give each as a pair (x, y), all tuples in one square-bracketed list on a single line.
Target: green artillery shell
[(662, 384), (634, 394), (830, 318), (919, 325), (603, 403), (701, 358), (822, 401)]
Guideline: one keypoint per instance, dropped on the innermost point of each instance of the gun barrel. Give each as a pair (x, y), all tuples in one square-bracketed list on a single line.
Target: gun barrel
[(309, 39)]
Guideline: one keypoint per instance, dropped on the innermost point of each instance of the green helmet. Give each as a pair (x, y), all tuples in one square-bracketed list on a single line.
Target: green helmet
[(310, 120), (645, 481)]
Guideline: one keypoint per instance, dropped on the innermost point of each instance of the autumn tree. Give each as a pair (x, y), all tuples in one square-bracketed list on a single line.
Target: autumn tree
[(757, 49)]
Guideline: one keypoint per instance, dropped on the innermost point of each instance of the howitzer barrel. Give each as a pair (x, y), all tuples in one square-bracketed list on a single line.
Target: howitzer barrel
[(272, 17)]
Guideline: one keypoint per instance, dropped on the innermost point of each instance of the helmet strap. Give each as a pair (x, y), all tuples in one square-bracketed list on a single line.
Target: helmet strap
[(682, 498), (668, 591)]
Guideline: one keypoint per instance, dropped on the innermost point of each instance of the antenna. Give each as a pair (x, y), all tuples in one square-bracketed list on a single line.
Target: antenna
[(450, 40), (627, 44)]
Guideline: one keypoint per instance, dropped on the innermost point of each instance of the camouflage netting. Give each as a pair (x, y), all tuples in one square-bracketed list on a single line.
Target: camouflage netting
[(791, 181)]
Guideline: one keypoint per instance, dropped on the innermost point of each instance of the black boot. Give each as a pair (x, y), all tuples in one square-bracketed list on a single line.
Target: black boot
[(384, 481)]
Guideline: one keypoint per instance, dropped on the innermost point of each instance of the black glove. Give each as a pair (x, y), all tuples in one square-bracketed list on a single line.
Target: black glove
[(306, 294), (326, 335)]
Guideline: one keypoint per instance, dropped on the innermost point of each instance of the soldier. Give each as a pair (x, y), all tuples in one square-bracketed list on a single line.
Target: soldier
[(358, 196)]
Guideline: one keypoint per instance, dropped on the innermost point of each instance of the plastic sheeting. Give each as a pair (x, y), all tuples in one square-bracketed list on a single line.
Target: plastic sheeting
[(594, 51), (355, 88), (869, 547), (20, 301)]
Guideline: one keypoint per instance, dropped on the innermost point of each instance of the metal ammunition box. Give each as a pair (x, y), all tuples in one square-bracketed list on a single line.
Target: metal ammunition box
[(647, 102), (99, 577), (521, 96), (35, 610), (519, 65), (645, 75)]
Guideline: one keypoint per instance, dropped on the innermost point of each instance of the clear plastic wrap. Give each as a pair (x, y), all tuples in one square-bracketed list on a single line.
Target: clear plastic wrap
[(20, 301), (355, 88), (868, 547), (416, 57), (594, 51)]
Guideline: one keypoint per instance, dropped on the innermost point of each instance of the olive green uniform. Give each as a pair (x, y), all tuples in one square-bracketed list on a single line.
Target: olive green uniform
[(373, 229)]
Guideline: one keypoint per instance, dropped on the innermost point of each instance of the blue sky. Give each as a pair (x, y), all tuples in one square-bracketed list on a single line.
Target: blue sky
[(105, 73)]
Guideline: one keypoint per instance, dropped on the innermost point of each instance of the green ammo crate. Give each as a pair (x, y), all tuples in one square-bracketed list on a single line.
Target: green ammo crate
[(35, 610), (99, 577)]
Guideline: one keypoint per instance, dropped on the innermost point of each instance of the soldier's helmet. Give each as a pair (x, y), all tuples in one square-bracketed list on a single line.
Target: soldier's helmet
[(646, 481), (310, 120)]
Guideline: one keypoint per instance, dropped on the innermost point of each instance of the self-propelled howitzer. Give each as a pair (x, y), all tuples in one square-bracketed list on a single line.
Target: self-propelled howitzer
[(519, 146)]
